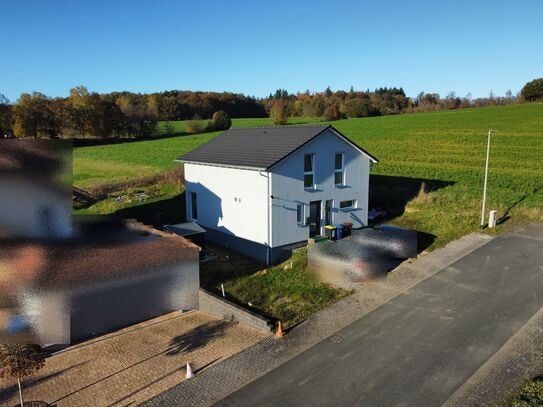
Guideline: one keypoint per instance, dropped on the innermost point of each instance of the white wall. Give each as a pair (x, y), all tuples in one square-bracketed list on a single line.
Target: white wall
[(288, 188), (21, 202), (233, 201)]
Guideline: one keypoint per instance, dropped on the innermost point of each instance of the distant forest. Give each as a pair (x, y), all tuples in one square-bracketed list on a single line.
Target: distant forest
[(135, 115)]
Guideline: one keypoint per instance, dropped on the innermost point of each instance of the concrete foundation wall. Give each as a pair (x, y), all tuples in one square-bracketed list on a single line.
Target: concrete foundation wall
[(220, 307)]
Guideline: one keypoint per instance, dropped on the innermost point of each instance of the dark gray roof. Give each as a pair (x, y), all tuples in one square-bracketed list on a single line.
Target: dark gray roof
[(256, 147)]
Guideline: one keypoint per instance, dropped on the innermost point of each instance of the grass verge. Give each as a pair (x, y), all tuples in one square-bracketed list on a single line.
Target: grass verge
[(531, 394), (287, 292)]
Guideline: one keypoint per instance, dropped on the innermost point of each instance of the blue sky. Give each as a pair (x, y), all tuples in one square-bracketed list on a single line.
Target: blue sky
[(255, 47)]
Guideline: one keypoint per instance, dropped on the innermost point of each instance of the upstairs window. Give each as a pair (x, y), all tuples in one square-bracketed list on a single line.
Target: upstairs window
[(309, 176), (339, 169), (193, 206)]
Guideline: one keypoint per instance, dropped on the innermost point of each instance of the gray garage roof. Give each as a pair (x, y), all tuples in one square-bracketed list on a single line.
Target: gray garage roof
[(257, 147)]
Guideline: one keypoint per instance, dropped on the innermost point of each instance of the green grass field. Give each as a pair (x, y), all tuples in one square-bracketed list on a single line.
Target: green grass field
[(117, 162), (444, 150)]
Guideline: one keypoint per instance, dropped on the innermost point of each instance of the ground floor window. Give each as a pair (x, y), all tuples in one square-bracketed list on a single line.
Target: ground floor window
[(300, 214), (193, 206), (346, 205)]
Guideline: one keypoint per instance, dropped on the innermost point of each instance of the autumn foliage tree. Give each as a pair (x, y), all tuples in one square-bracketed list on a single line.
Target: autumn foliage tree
[(279, 112), (332, 113), (6, 117)]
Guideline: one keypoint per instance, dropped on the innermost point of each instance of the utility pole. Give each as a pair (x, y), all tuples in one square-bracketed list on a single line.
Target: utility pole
[(486, 180)]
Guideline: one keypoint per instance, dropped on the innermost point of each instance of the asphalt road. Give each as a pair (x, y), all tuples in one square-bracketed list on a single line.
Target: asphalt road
[(418, 348)]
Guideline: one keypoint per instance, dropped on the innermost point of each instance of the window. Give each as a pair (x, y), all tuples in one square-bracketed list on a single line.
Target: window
[(338, 169), (193, 206), (309, 162), (346, 205), (300, 214)]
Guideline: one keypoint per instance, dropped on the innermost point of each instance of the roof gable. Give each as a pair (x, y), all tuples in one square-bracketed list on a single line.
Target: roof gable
[(260, 147)]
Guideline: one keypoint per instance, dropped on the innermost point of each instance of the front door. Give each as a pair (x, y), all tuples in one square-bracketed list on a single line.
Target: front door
[(314, 218)]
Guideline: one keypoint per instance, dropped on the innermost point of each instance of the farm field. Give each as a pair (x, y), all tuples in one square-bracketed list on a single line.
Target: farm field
[(441, 152), (429, 178), (116, 162)]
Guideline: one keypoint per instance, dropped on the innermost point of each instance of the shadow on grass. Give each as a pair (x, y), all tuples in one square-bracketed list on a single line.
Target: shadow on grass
[(228, 265), (392, 194), (505, 217), (159, 213)]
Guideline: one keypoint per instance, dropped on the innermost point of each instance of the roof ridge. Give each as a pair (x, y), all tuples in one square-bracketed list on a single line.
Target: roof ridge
[(288, 126)]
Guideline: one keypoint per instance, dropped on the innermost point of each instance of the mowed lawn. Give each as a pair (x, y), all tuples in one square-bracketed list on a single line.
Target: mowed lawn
[(443, 152)]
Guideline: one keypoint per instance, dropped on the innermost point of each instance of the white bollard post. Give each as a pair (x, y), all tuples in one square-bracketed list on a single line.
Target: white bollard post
[(492, 219)]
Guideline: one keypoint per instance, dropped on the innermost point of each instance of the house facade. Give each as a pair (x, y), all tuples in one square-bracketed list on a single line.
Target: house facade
[(106, 280), (265, 191)]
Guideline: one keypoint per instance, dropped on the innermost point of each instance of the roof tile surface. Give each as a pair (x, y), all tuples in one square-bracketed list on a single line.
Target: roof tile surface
[(257, 147)]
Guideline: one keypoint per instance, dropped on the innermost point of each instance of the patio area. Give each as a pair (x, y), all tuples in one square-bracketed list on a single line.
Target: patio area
[(134, 364)]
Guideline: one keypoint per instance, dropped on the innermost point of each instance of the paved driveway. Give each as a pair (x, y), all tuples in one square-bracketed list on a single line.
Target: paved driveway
[(134, 364), (418, 348)]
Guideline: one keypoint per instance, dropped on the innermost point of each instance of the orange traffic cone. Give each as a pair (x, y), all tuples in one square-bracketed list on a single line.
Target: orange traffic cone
[(189, 374), (279, 331)]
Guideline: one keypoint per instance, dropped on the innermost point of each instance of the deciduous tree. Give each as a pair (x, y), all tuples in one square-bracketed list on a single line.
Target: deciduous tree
[(532, 91), (19, 361)]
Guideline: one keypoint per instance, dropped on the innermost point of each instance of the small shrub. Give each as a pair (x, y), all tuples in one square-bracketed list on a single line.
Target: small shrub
[(220, 121), (195, 126)]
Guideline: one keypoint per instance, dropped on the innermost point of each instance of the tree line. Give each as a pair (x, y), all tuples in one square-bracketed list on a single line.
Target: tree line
[(135, 115), (382, 101), (117, 114)]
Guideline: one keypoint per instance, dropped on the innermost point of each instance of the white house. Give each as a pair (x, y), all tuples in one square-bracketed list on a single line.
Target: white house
[(264, 191)]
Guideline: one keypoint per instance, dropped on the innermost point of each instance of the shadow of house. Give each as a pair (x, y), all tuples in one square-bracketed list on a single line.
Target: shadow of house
[(228, 265), (157, 214), (220, 218), (392, 193), (197, 338)]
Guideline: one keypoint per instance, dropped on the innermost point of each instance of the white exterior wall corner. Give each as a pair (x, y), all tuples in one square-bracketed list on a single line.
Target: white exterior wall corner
[(288, 189), (230, 200)]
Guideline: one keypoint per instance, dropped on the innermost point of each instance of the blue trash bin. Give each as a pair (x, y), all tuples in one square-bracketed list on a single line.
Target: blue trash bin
[(339, 232)]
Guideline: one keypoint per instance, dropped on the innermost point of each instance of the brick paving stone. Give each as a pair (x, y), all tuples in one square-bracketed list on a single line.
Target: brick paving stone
[(132, 365)]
